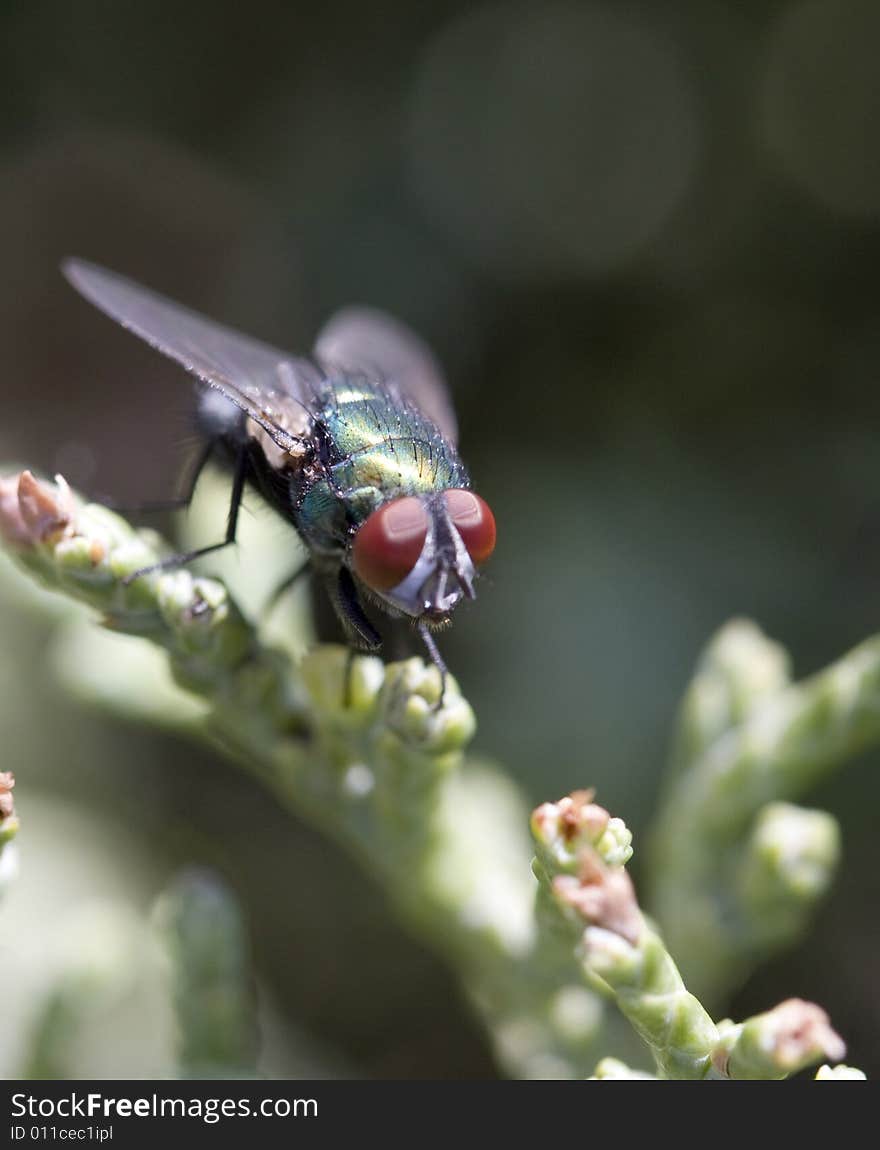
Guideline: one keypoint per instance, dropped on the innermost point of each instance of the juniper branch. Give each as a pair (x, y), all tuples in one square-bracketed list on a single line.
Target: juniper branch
[(374, 761), (839, 1073), (781, 1042), (8, 829), (98, 972), (211, 981), (581, 868), (747, 739)]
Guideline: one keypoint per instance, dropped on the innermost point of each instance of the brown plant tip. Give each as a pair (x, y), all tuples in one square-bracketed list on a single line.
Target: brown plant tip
[(801, 1031), (578, 813), (12, 527), (7, 806), (33, 511), (603, 896), (721, 1060), (46, 510), (572, 816)]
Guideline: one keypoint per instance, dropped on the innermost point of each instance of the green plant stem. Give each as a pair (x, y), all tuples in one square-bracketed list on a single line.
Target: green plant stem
[(211, 980), (8, 830), (99, 972), (611, 1069), (580, 864), (779, 1043), (374, 757), (774, 745), (581, 870), (371, 757)]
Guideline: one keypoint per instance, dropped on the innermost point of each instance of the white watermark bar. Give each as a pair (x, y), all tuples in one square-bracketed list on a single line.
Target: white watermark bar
[(99, 1106)]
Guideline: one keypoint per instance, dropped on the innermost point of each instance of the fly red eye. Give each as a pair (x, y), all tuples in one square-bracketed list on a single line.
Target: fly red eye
[(474, 522), (389, 543)]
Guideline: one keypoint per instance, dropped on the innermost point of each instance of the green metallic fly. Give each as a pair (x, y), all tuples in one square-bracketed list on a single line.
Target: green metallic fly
[(354, 446)]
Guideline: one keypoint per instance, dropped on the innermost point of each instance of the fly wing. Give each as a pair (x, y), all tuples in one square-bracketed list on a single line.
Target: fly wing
[(258, 378), (360, 338)]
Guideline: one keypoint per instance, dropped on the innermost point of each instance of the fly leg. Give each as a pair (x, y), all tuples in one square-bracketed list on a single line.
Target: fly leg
[(283, 587), (344, 596), (349, 673), (362, 635), (360, 630), (399, 644), (240, 475), (179, 502), (436, 659)]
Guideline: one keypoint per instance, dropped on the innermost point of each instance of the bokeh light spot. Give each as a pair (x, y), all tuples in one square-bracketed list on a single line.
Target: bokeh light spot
[(552, 141), (820, 103)]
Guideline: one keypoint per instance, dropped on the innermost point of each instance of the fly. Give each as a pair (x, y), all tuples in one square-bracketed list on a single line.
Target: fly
[(354, 447)]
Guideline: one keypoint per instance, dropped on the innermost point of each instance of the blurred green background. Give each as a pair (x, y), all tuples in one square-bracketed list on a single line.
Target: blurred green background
[(643, 238)]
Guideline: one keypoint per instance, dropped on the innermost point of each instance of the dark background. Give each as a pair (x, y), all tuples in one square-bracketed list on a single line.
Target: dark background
[(643, 238)]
